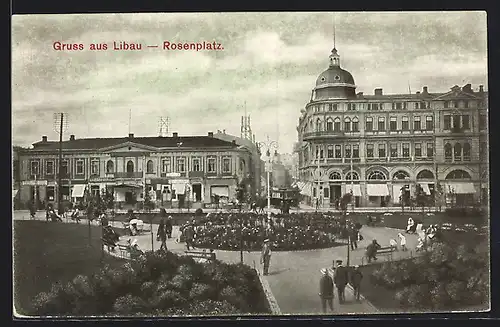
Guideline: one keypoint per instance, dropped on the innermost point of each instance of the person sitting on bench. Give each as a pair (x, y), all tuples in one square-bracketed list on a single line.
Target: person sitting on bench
[(133, 249), (371, 250)]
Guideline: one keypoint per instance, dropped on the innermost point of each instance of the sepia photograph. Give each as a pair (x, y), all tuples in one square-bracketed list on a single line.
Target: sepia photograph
[(225, 164)]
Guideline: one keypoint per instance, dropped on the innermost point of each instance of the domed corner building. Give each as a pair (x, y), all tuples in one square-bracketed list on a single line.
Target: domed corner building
[(380, 147)]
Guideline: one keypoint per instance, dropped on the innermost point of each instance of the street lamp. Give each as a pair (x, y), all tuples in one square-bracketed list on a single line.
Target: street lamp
[(269, 145)]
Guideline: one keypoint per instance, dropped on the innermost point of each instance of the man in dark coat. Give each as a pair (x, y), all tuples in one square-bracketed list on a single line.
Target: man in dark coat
[(371, 251), (341, 279), (353, 233), (265, 257), (189, 236), (355, 281), (326, 290)]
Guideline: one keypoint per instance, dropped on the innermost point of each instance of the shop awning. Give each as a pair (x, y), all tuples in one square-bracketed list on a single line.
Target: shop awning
[(220, 191), (461, 188), (356, 189), (396, 191), (306, 189), (14, 193), (78, 191), (377, 190), (128, 186), (425, 187), (179, 188)]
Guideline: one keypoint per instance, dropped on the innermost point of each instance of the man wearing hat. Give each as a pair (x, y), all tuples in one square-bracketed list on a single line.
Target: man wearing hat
[(326, 290), (340, 279), (265, 257), (355, 281)]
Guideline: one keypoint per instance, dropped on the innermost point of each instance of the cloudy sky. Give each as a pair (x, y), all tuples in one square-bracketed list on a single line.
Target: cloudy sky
[(270, 62)]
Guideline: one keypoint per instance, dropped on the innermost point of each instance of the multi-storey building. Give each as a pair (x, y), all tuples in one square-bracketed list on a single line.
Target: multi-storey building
[(381, 146), (171, 169)]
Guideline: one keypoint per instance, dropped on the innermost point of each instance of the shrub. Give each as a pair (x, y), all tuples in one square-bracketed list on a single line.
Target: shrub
[(129, 304), (202, 292), (211, 307)]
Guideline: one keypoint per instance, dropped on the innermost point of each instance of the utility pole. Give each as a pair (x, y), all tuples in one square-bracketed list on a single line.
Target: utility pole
[(269, 145), (60, 120)]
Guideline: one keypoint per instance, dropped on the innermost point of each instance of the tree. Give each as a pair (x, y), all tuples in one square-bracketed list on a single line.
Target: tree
[(420, 196), (344, 202)]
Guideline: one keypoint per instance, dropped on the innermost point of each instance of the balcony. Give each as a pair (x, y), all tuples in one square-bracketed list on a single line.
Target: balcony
[(135, 174), (323, 134)]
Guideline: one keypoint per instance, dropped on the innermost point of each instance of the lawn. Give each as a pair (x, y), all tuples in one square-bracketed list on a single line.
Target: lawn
[(45, 253)]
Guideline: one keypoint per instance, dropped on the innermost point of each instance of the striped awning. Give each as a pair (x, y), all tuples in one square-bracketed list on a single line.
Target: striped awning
[(377, 190), (306, 189), (356, 189), (461, 188)]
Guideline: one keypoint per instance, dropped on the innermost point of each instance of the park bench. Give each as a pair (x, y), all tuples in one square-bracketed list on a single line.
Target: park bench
[(203, 256), (124, 251), (385, 250)]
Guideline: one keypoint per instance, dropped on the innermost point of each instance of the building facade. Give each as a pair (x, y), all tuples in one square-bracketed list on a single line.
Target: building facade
[(175, 171), (382, 146)]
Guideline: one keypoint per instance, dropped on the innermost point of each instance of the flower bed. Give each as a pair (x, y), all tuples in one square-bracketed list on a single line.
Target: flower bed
[(159, 284)]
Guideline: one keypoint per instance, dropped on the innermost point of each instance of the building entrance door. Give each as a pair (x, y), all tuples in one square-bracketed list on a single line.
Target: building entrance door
[(197, 192), (335, 193), (129, 196)]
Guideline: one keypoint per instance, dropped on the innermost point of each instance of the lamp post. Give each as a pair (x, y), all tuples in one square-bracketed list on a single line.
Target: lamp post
[(269, 145)]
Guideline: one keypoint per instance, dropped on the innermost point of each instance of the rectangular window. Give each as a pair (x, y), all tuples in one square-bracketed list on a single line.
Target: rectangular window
[(465, 122), (456, 121), (336, 126), (466, 104), (369, 106), (347, 126), (455, 104), (166, 165), (330, 151), (416, 123), (369, 150), (321, 152), (226, 165), (330, 107), (375, 106), (79, 167), (417, 105), (211, 165), (394, 150), (423, 105), (49, 167), (393, 125), (369, 124), (418, 150), (338, 151), (94, 167), (334, 107), (399, 106), (196, 164), (429, 123), (430, 150), (64, 168), (381, 124), (447, 122), (35, 168), (405, 126), (482, 122), (355, 151), (355, 126), (347, 151), (181, 165), (446, 104), (381, 151), (406, 150)]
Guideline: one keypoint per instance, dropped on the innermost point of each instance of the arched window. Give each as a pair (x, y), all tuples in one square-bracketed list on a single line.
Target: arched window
[(400, 174), (336, 124), (425, 174), (457, 152), (110, 167), (355, 124), (318, 125), (352, 175), (329, 124), (466, 151), (447, 151), (130, 166), (458, 174), (335, 175), (377, 175), (150, 167), (347, 124)]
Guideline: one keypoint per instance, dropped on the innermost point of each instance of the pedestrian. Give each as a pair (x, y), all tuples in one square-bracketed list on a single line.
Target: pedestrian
[(326, 290), (189, 236), (265, 257), (341, 279), (161, 234), (393, 244), (371, 251), (354, 238), (402, 241), (355, 280), (169, 226)]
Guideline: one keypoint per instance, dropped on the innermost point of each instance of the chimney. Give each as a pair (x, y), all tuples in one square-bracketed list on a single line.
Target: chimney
[(131, 136), (72, 137), (418, 92), (481, 88), (223, 131), (210, 134), (44, 138), (175, 134), (378, 92), (425, 90)]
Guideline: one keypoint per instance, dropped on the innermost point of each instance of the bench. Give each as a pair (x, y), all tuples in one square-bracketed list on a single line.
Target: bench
[(386, 250), (203, 255), (123, 250)]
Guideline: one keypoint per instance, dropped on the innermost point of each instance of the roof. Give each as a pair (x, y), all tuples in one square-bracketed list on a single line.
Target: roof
[(335, 75), (156, 142)]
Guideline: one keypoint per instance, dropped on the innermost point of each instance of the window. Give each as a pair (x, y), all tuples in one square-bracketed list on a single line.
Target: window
[(329, 151), (197, 164), (347, 151), (404, 124), (458, 174), (336, 125), (423, 105), (369, 124), (399, 106), (64, 168), (355, 151), (417, 105), (318, 125), (330, 107), (430, 150), (369, 106), (226, 165), (418, 150), (347, 124), (429, 123), (456, 121), (425, 174), (79, 167), (400, 174), (321, 153), (334, 107), (406, 150), (355, 125), (394, 150), (446, 104), (447, 122), (338, 151), (369, 150), (110, 167), (375, 106), (150, 167), (335, 175), (166, 165), (457, 152), (466, 104), (352, 175), (466, 151), (381, 151), (393, 125), (381, 124), (326, 192), (35, 167), (130, 166), (329, 125), (211, 165), (482, 122), (377, 175), (49, 167), (416, 123), (353, 106), (94, 167), (447, 152), (181, 165), (455, 104), (465, 122)]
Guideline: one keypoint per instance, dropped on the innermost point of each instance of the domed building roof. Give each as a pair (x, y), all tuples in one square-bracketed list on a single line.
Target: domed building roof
[(335, 75)]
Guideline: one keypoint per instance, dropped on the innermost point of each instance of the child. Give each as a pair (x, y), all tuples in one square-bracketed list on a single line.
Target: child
[(402, 240), (394, 244)]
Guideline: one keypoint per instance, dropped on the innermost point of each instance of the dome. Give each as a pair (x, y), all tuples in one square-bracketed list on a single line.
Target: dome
[(335, 75)]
